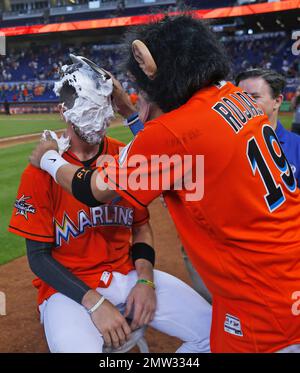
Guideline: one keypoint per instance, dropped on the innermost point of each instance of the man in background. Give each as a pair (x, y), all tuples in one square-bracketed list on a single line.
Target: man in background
[(266, 87)]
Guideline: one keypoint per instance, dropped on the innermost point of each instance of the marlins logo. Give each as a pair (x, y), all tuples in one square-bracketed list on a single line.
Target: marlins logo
[(23, 208), (104, 215)]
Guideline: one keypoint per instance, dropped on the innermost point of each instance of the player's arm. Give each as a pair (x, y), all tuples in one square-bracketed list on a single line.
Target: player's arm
[(142, 298), (79, 181), (44, 266), (124, 176), (109, 321), (142, 238)]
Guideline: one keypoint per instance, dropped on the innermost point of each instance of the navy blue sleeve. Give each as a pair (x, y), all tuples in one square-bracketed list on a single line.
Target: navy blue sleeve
[(52, 272)]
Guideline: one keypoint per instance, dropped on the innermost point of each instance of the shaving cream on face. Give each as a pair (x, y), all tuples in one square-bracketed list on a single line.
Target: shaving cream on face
[(92, 111)]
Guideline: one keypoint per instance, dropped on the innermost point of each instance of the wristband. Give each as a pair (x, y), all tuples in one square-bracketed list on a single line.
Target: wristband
[(51, 162), (146, 282), (131, 119), (82, 188), (136, 127), (134, 123), (96, 306), (141, 250)]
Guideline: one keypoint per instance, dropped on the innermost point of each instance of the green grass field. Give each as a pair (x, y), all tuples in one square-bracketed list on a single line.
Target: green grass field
[(15, 125), (13, 160), (286, 120)]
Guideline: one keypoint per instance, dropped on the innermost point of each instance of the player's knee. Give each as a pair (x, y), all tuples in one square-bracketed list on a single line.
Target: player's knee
[(195, 346), (64, 341), (75, 333)]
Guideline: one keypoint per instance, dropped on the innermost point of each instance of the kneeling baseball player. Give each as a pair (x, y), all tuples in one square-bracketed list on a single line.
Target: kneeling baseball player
[(95, 279)]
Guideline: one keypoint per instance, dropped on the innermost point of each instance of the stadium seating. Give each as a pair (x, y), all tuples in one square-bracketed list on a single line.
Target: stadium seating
[(29, 75)]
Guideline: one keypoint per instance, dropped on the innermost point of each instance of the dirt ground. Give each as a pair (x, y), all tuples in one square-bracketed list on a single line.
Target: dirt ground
[(20, 330)]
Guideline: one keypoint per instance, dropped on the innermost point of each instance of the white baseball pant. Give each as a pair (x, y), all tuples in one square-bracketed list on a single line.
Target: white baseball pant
[(180, 313)]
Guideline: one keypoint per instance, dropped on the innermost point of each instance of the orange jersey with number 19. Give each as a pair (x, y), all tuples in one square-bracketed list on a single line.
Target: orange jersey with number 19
[(243, 235)]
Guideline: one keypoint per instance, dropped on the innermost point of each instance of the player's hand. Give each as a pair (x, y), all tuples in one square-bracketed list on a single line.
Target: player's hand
[(42, 147), (108, 320), (142, 300), (111, 324), (120, 98)]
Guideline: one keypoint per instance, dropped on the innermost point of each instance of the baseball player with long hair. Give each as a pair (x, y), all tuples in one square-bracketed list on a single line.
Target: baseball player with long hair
[(95, 279)]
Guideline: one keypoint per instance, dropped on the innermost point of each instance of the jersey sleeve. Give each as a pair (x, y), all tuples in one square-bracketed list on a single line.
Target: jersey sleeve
[(32, 215), (145, 167), (141, 216)]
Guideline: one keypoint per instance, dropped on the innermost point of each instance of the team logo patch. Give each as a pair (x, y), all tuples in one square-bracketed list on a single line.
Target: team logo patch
[(23, 208), (232, 325)]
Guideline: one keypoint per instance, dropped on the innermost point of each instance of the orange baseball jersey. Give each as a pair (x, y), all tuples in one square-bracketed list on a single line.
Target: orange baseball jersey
[(90, 242), (242, 234)]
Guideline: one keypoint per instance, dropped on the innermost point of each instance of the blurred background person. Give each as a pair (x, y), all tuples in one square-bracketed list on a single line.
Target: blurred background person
[(296, 108)]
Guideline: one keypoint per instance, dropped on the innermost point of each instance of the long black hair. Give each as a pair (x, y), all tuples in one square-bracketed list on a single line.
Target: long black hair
[(188, 57)]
